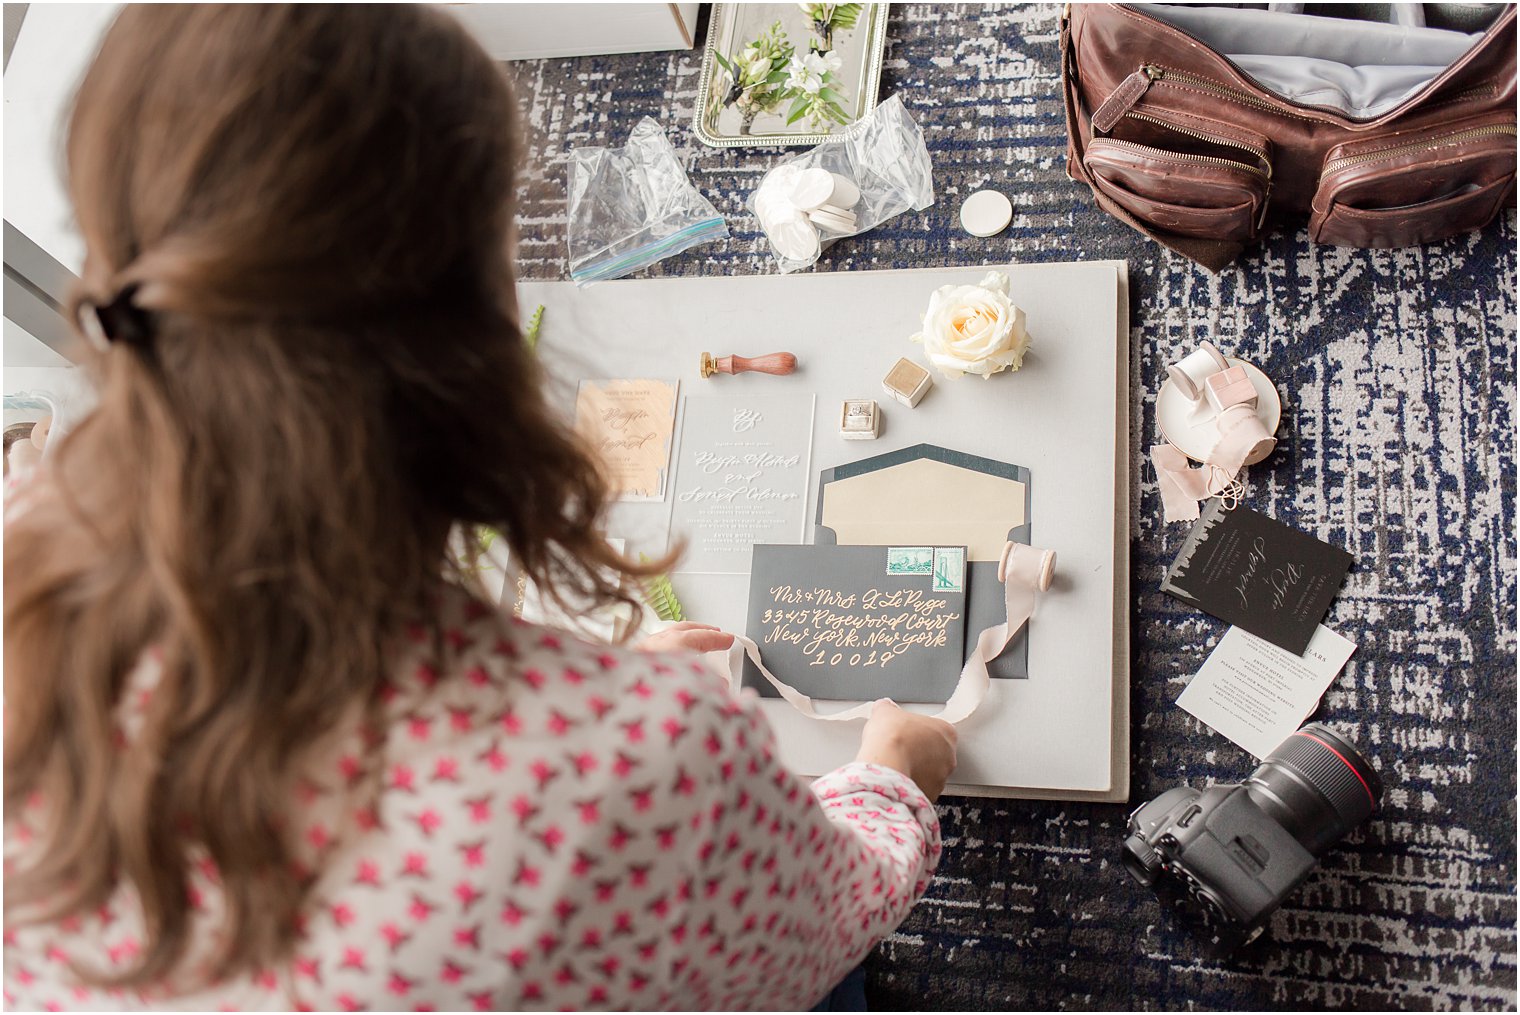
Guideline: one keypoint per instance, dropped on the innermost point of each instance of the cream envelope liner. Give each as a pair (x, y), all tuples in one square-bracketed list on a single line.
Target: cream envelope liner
[(925, 503)]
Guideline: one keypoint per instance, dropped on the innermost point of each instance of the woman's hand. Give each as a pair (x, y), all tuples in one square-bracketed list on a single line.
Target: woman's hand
[(920, 747), (687, 637)]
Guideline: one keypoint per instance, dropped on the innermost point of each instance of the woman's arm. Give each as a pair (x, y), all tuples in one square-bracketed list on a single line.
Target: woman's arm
[(809, 877)]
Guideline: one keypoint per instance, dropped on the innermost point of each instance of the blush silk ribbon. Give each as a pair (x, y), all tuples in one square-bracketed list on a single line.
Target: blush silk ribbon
[(1024, 571), (1242, 437)]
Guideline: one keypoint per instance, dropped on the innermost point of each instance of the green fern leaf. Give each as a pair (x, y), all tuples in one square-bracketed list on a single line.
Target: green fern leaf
[(530, 334), (661, 595)]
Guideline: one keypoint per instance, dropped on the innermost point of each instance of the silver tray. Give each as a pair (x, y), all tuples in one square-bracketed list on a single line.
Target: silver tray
[(730, 117)]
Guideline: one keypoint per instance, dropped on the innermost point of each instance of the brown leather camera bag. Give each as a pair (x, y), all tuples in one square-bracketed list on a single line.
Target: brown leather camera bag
[(1394, 134)]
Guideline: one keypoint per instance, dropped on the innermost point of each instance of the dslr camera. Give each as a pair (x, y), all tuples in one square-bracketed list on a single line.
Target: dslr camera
[(1231, 854)]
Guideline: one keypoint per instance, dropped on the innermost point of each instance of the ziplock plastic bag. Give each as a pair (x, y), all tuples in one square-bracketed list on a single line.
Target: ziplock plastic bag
[(633, 206), (69, 399), (881, 162)]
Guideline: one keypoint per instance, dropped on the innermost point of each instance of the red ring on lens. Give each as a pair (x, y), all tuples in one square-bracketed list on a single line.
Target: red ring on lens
[(1338, 754)]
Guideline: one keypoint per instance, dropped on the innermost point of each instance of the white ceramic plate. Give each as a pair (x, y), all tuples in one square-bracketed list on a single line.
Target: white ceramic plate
[(1191, 426)]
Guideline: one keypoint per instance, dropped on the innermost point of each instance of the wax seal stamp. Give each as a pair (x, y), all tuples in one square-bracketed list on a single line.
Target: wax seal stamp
[(771, 363)]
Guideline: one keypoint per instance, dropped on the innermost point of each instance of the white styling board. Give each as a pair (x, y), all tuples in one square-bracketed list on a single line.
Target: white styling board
[(1062, 733)]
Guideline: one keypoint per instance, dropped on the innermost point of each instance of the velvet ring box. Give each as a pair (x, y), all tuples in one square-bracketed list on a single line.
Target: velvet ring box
[(907, 382), (860, 420), (1229, 388)]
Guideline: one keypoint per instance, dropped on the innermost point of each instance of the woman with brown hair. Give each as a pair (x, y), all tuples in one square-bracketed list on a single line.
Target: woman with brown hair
[(262, 749)]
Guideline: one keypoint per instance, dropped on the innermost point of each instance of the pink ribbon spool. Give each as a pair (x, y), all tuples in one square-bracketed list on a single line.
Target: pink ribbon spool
[(1190, 372), (1027, 565), (1243, 441)]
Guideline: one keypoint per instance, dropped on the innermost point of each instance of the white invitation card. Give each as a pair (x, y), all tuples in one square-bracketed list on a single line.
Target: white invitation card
[(741, 477), (1257, 694)]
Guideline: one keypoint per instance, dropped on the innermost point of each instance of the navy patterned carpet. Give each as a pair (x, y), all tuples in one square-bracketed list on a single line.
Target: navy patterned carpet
[(1399, 444)]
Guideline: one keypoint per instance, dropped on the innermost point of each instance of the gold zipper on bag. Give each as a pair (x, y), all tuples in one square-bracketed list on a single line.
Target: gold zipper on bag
[(1336, 165), (1156, 73), (1166, 156), (1505, 20), (1133, 88), (1205, 160), (1260, 153)]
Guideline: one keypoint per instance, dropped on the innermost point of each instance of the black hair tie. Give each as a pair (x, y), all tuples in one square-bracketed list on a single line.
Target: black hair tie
[(121, 320)]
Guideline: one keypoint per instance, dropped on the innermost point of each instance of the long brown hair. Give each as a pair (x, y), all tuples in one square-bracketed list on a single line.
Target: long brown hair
[(312, 207)]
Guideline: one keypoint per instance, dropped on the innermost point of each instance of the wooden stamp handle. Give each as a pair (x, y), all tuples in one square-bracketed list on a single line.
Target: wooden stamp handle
[(772, 363)]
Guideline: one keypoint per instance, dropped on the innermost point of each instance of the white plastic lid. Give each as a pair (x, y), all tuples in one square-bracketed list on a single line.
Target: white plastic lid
[(986, 213), (796, 238)]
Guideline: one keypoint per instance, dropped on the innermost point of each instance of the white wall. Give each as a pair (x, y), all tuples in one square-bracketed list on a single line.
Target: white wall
[(55, 46), (53, 49)]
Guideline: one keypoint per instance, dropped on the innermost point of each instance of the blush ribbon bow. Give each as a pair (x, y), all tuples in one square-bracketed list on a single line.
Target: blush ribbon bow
[(1243, 437)]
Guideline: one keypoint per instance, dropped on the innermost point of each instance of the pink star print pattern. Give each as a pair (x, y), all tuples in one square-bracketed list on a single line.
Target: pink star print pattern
[(557, 825)]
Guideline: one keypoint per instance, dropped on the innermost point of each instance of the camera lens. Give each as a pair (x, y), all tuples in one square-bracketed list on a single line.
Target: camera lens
[(1317, 786)]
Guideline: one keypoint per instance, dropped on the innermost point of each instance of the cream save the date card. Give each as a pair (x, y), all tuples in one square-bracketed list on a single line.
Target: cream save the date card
[(630, 424)]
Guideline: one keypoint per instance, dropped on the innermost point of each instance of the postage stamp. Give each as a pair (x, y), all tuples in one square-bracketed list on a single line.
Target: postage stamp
[(910, 560), (949, 569)]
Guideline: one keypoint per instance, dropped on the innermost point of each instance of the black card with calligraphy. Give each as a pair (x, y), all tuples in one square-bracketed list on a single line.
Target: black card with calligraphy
[(1257, 573), (857, 623)]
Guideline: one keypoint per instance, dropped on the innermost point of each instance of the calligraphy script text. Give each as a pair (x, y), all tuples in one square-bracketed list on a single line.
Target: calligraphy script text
[(872, 628), (1278, 579)]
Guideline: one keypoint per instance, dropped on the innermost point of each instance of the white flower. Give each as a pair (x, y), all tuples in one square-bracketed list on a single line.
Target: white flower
[(822, 63), (801, 77), (974, 329), (759, 68)]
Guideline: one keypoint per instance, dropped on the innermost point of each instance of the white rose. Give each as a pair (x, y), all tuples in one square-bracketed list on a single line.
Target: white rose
[(974, 329)]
